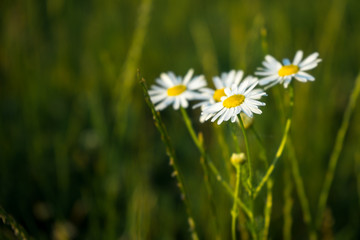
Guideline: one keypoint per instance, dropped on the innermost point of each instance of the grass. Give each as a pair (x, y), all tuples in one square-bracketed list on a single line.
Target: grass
[(80, 156)]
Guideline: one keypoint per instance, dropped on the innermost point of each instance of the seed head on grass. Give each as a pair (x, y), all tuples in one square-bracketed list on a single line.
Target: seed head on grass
[(175, 90), (274, 72)]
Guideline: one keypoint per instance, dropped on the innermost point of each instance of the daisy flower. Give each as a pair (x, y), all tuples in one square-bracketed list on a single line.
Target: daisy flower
[(175, 90), (242, 98), (226, 80), (275, 72)]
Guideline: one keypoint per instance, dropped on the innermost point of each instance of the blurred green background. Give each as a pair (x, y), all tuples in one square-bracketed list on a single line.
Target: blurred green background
[(80, 157)]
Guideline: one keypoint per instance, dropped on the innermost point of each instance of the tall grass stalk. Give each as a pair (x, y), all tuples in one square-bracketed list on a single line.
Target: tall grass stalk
[(339, 142), (235, 211), (126, 81), (281, 146), (173, 161)]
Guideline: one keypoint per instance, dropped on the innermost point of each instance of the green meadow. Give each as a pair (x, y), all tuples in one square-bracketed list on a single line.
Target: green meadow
[(83, 154)]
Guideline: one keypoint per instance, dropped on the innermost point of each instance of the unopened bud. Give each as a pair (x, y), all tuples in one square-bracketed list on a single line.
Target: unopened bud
[(237, 158)]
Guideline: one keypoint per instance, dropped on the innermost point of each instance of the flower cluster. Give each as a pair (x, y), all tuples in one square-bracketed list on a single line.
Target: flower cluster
[(233, 92)]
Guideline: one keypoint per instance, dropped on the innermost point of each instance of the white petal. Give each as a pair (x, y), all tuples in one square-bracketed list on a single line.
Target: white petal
[(218, 83), (213, 108), (218, 114), (267, 73), (305, 75), (157, 92), (176, 105), (238, 77), (271, 59), (164, 104), (158, 98), (267, 80), (184, 103), (188, 76), (298, 57), (246, 110), (227, 91), (287, 82), (309, 59), (163, 83), (309, 66), (250, 88), (197, 83), (167, 80), (230, 78)]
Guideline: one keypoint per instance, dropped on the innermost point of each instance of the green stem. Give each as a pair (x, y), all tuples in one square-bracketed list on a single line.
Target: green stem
[(235, 211), (211, 165), (250, 179), (288, 202), (304, 202), (173, 161), (336, 152), (269, 185), (209, 190), (281, 146)]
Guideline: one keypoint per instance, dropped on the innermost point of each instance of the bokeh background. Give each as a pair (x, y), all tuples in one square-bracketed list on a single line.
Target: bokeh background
[(80, 157)]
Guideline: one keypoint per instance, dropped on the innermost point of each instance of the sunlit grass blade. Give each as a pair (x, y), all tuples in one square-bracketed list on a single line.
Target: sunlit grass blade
[(126, 80), (339, 142), (173, 161)]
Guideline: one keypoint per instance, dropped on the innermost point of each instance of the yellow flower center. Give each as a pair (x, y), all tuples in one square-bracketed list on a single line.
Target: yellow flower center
[(218, 94), (176, 90), (234, 101), (288, 70)]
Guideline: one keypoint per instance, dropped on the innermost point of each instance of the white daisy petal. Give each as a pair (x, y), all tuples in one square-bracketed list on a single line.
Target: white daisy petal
[(309, 59), (309, 66), (218, 83), (267, 80), (305, 75), (164, 104), (167, 80), (197, 83), (158, 98), (214, 108), (176, 105), (298, 57), (238, 77), (188, 76), (218, 114)]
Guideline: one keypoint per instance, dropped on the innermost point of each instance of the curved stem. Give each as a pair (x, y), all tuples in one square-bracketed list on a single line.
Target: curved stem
[(336, 152), (235, 211), (211, 165), (300, 189), (281, 146)]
